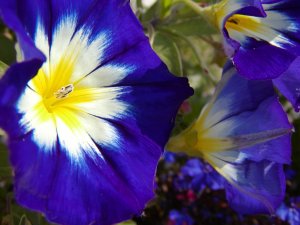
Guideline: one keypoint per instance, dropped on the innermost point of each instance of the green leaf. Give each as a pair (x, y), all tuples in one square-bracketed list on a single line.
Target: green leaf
[(7, 51), (166, 3), (168, 51), (5, 170), (3, 68), (128, 222), (165, 7), (192, 26), (151, 14)]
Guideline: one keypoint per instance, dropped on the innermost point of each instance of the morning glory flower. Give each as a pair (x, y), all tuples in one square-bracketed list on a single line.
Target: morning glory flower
[(87, 111), (261, 37), (243, 133)]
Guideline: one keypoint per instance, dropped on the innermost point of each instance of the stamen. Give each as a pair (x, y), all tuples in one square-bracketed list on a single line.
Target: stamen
[(64, 91)]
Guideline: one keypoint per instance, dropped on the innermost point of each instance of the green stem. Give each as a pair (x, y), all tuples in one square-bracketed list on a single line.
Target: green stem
[(21, 219), (194, 6), (3, 68)]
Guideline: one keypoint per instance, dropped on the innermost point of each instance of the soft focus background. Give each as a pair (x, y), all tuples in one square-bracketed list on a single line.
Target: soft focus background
[(188, 190)]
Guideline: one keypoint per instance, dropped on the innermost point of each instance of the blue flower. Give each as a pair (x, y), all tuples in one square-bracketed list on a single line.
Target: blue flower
[(260, 36), (179, 218), (87, 111), (289, 214), (201, 175), (169, 157), (243, 133)]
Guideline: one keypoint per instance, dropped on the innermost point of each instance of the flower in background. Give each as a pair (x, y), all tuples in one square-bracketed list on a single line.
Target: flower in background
[(289, 84), (169, 157), (185, 107), (198, 175), (261, 37), (179, 218), (87, 112), (289, 214), (243, 133)]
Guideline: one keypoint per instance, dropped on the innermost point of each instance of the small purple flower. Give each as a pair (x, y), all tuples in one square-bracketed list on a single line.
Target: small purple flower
[(201, 175), (289, 214), (179, 218), (169, 157)]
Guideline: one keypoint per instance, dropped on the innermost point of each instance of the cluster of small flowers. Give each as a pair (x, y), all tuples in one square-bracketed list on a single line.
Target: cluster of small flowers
[(189, 191)]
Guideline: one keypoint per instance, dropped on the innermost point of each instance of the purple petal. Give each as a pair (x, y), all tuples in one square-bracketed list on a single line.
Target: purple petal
[(261, 60), (261, 185), (289, 84)]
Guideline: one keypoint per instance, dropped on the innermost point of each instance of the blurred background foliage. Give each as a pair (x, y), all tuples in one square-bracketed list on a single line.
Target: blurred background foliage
[(185, 194)]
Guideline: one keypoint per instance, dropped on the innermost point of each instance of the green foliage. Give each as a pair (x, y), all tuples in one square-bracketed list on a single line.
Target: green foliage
[(7, 41), (168, 51), (3, 68), (129, 222)]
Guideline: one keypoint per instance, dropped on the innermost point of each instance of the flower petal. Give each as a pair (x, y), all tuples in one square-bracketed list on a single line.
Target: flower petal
[(248, 113), (9, 13), (260, 60), (12, 84), (289, 84), (261, 185)]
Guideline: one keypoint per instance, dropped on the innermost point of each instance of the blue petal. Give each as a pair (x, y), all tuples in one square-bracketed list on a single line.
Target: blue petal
[(248, 111), (100, 192), (260, 60), (289, 84), (235, 95), (12, 11), (259, 187), (151, 80), (12, 84)]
